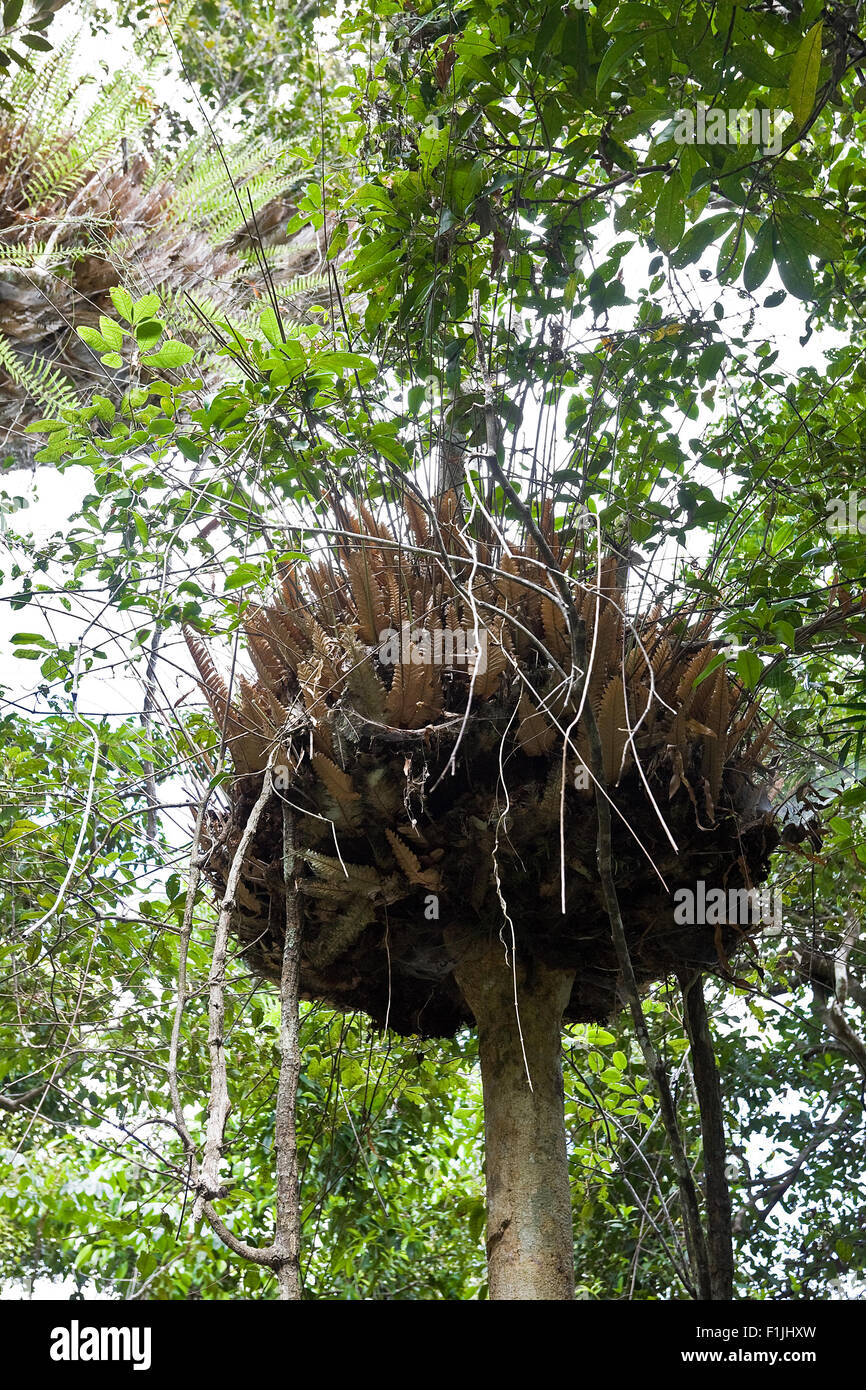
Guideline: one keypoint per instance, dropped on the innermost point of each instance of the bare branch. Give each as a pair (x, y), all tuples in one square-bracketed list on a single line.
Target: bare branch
[(219, 1104), (287, 1239)]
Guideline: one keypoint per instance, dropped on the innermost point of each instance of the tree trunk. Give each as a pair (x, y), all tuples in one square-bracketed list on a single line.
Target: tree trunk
[(530, 1241), (720, 1246)]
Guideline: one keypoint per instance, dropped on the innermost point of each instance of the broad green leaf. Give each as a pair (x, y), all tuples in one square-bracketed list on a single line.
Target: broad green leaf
[(111, 332), (148, 332), (92, 338), (709, 362), (615, 55), (600, 1036), (822, 241), (792, 258), (390, 448), (699, 237), (344, 361), (241, 576), (145, 308), (760, 259), (749, 669), (189, 449), (171, 354), (270, 326), (670, 216), (785, 632), (122, 302), (803, 83), (45, 426), (630, 16)]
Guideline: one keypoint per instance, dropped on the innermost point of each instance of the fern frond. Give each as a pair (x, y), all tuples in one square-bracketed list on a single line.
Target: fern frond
[(34, 255), (39, 378)]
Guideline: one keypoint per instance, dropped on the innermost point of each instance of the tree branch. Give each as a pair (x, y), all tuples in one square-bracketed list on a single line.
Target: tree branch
[(287, 1239), (219, 1104)]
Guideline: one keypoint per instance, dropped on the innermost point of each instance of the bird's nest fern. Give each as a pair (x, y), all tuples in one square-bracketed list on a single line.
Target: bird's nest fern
[(430, 795)]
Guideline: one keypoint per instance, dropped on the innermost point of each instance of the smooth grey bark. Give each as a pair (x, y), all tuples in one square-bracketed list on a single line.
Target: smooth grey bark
[(530, 1240)]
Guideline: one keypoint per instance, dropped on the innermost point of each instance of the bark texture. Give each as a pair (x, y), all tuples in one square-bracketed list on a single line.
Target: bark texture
[(720, 1246), (530, 1242)]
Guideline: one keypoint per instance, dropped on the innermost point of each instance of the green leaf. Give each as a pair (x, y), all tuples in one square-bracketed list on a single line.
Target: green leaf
[(122, 302), (145, 308), (803, 83), (749, 669), (171, 354), (708, 670), (36, 41), (241, 576), (822, 240), (148, 332), (709, 363), (615, 55), (760, 259), (112, 359), (699, 237), (344, 361), (92, 338), (600, 1036), (390, 448), (700, 178), (270, 326), (111, 332), (189, 449), (792, 258), (760, 67), (45, 426), (12, 13), (630, 16), (670, 217)]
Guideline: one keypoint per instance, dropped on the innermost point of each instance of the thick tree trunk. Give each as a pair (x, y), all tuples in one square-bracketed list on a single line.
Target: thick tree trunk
[(530, 1241)]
